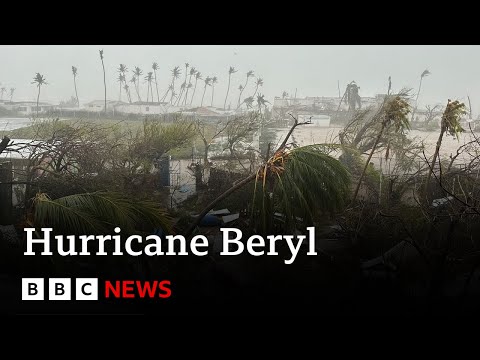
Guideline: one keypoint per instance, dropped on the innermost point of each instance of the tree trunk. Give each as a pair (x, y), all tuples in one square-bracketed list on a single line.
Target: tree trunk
[(204, 89), (156, 85), (104, 86), (377, 140), (228, 90), (434, 161), (213, 91), (76, 93), (194, 89), (38, 97)]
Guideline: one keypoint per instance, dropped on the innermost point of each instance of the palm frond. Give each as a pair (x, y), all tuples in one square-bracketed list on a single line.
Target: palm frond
[(99, 212)]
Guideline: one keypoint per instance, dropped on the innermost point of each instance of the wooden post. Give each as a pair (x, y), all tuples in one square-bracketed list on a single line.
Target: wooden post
[(6, 214)]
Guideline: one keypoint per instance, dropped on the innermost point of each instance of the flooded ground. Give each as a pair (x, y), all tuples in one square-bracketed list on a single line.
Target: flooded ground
[(183, 182)]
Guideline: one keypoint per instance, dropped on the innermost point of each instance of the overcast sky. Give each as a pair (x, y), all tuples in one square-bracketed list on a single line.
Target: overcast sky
[(313, 70)]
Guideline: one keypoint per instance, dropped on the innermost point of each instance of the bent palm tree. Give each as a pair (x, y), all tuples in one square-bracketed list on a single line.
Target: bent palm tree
[(149, 79), (302, 180), (127, 91), (175, 75), (121, 80), (138, 72), (230, 72), (258, 83), (155, 68), (214, 81), (424, 73), (207, 83), (193, 71), (75, 72), (40, 81), (198, 75), (249, 102), (249, 74), (393, 112), (184, 84), (451, 125)]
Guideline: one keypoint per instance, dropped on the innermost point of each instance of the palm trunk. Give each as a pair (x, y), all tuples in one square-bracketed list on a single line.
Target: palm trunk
[(377, 140), (241, 92), (186, 93), (228, 90), (237, 186), (148, 91), (138, 94), (256, 88), (435, 157), (173, 89), (120, 92), (76, 93), (416, 99), (213, 90), (38, 98), (204, 89), (104, 86), (156, 85), (194, 88)]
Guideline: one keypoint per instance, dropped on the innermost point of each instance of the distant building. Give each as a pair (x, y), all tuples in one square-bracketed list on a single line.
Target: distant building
[(99, 105), (27, 107)]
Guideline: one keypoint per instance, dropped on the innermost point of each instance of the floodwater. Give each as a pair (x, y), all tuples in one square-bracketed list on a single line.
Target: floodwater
[(183, 182), (7, 124)]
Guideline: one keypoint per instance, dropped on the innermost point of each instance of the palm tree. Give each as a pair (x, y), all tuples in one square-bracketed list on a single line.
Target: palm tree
[(214, 81), (451, 125), (170, 88), (174, 94), (2, 91), (193, 71), (39, 80), (149, 79), (184, 84), (284, 95), (261, 102), (424, 73), (75, 72), (230, 72), (175, 75), (127, 90), (258, 83), (207, 80), (155, 68), (138, 72), (296, 182), (198, 75), (12, 90), (104, 80), (393, 112), (182, 89), (240, 88), (121, 80), (249, 102), (249, 74), (134, 81)]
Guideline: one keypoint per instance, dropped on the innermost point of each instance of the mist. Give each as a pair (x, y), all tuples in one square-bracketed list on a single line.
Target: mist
[(307, 70)]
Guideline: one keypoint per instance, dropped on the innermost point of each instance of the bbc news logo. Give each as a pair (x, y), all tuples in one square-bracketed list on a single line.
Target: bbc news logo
[(88, 289)]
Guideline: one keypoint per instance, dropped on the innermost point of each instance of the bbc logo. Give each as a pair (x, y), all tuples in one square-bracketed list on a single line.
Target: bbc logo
[(60, 289)]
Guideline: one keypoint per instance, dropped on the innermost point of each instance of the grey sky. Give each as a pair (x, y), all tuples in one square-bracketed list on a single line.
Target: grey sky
[(313, 69)]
